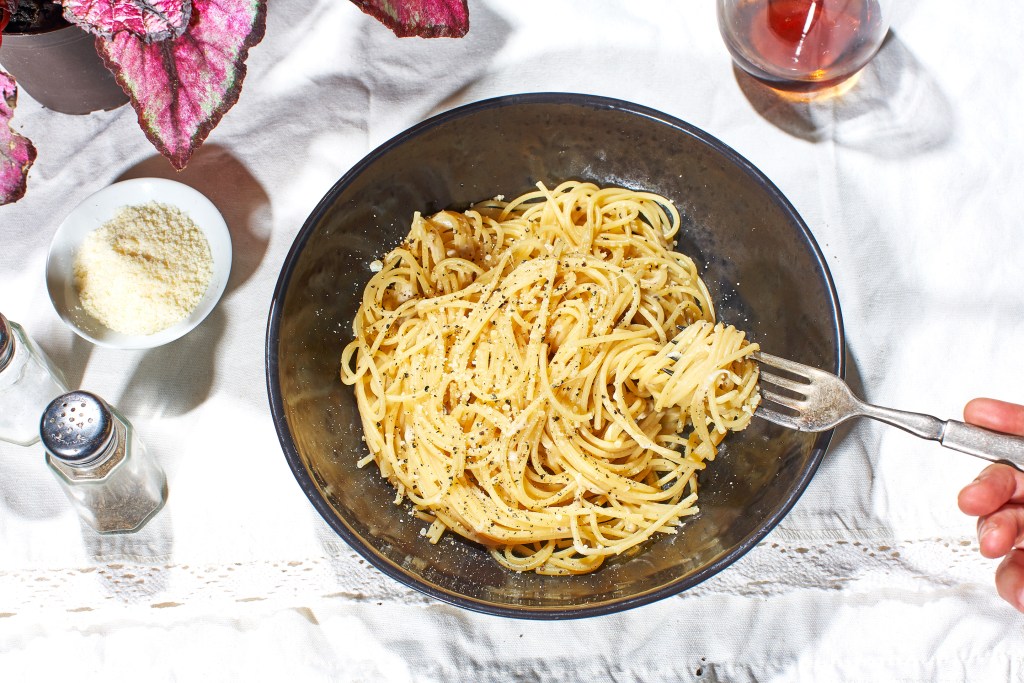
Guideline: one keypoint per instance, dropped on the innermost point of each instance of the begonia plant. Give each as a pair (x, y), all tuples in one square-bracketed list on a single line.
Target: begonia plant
[(182, 63)]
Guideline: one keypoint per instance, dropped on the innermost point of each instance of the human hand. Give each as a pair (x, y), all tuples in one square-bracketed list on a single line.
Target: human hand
[(996, 497)]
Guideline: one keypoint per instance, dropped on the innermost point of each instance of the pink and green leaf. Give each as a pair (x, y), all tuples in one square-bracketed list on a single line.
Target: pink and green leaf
[(16, 151), (151, 20), (423, 18), (181, 88)]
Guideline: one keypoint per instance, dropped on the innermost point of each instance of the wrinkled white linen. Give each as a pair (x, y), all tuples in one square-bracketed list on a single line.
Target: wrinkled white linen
[(911, 185)]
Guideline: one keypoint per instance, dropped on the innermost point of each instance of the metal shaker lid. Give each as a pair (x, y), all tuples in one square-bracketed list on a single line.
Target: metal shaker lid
[(77, 427), (6, 342)]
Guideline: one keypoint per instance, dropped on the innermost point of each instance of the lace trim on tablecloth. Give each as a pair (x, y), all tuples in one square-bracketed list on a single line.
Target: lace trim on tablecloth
[(775, 567)]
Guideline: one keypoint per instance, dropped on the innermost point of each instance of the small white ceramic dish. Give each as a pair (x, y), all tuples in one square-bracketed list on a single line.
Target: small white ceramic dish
[(96, 210)]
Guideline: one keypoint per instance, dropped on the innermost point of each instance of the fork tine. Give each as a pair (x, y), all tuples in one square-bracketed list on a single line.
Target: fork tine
[(798, 387), (779, 418), (787, 401), (781, 363)]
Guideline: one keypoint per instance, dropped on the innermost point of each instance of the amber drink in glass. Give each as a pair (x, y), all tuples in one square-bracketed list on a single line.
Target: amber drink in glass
[(803, 46)]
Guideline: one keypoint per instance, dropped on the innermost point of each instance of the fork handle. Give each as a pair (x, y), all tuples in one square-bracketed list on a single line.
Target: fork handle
[(918, 424), (959, 436), (984, 443)]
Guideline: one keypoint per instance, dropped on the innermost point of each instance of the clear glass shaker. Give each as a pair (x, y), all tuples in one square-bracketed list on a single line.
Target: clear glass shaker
[(28, 382), (101, 464)]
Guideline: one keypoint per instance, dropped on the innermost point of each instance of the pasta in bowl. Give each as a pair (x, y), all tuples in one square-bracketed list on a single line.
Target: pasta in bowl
[(743, 258), (522, 380)]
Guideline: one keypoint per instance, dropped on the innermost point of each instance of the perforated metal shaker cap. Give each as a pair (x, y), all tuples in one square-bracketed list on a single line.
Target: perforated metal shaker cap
[(77, 427), (6, 342)]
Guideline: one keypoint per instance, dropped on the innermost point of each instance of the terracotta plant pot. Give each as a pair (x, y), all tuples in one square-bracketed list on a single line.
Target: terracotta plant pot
[(60, 69)]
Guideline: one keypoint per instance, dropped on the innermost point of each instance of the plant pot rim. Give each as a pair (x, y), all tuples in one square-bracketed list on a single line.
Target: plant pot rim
[(8, 34)]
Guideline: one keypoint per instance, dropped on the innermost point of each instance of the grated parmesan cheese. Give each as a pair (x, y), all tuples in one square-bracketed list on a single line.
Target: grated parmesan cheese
[(144, 270)]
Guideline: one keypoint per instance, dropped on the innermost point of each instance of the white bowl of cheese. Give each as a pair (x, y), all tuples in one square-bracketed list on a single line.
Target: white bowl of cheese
[(139, 264)]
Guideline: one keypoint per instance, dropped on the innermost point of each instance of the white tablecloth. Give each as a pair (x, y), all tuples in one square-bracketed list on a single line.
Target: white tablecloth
[(911, 184)]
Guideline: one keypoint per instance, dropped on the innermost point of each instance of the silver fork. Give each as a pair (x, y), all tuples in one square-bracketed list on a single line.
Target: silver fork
[(821, 401)]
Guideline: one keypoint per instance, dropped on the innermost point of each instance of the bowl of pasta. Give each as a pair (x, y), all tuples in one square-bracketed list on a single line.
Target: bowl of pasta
[(508, 355)]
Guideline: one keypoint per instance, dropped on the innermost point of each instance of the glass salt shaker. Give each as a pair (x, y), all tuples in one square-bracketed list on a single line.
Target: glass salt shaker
[(28, 382), (101, 464)]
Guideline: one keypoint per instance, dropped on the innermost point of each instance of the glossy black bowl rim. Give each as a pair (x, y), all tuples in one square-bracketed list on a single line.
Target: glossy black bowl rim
[(392, 570)]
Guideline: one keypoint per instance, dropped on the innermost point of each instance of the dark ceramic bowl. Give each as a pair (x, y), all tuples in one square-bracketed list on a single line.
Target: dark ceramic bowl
[(760, 262)]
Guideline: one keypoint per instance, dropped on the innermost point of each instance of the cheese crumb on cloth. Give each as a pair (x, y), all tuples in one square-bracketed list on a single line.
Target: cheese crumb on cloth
[(144, 270)]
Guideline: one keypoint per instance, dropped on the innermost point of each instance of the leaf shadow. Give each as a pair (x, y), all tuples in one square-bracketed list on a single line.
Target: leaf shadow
[(895, 109), (72, 360), (175, 378), (236, 193), (417, 67)]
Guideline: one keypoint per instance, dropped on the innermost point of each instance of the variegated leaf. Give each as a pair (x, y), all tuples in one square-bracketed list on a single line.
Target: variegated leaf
[(181, 88), (16, 151), (423, 18), (151, 20)]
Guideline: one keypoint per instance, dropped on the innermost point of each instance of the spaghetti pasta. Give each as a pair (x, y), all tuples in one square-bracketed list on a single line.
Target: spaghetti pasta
[(545, 376)]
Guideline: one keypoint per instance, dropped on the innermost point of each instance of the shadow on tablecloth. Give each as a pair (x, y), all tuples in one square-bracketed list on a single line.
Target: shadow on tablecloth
[(236, 193), (176, 378), (896, 109)]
